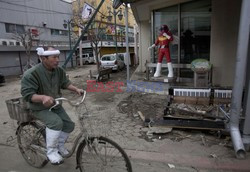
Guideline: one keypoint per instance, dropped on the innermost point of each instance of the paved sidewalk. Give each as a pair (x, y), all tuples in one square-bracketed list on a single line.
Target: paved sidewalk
[(142, 161), (187, 151)]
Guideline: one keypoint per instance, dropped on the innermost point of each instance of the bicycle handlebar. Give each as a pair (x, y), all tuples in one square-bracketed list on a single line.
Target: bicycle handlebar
[(57, 101)]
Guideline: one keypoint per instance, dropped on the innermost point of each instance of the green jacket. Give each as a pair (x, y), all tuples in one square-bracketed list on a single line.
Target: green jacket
[(39, 80)]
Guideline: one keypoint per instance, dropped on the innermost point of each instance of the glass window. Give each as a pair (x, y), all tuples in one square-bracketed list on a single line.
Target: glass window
[(104, 58), (85, 38), (121, 57), (10, 28), (109, 38), (54, 32), (192, 22), (195, 30), (167, 16), (13, 28), (20, 29), (112, 58), (195, 33), (131, 39), (59, 32), (4, 42)]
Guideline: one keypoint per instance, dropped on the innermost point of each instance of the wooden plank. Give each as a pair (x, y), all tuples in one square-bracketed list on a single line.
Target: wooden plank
[(205, 115), (190, 123), (141, 116), (165, 65)]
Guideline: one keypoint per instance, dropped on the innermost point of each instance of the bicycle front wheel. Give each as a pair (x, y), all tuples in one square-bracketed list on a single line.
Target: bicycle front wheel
[(31, 143), (102, 154)]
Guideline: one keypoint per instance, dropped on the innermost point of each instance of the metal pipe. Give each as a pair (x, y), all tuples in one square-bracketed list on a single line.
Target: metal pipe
[(116, 50), (246, 128), (20, 61), (80, 47), (246, 110), (70, 46), (240, 72), (136, 45), (127, 45)]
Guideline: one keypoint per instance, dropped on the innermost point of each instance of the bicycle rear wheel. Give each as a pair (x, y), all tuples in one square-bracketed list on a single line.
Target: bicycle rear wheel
[(31, 143), (102, 154)]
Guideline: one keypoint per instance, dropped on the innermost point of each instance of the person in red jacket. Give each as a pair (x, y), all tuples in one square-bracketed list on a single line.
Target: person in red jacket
[(163, 41)]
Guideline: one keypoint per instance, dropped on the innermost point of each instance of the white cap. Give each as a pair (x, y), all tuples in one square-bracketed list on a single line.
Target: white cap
[(41, 52)]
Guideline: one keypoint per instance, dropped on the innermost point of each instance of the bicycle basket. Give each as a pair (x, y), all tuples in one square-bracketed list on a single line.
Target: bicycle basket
[(18, 110)]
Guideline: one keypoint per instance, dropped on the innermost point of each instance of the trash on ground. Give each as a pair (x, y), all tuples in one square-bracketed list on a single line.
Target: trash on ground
[(171, 165)]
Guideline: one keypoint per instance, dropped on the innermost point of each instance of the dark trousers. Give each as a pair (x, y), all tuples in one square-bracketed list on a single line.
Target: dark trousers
[(56, 119)]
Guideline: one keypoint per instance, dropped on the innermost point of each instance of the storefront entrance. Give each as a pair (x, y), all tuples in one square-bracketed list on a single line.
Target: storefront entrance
[(190, 23)]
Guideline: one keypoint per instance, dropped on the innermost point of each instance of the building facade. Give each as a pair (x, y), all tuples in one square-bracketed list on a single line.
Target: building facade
[(108, 26), (45, 20), (205, 29)]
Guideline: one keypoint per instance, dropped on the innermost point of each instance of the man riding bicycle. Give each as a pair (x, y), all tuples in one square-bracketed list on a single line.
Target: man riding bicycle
[(40, 85)]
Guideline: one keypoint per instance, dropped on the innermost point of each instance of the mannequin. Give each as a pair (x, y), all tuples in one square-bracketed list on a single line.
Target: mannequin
[(163, 41)]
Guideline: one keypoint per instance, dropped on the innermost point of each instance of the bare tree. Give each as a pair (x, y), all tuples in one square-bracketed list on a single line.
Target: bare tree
[(95, 35), (26, 38), (96, 30)]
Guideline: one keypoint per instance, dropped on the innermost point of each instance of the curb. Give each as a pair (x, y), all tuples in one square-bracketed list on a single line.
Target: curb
[(147, 87), (192, 161)]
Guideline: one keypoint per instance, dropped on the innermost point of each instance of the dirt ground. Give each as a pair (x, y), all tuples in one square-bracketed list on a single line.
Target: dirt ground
[(128, 104)]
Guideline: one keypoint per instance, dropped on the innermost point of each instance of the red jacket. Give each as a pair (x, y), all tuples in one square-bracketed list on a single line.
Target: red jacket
[(162, 40)]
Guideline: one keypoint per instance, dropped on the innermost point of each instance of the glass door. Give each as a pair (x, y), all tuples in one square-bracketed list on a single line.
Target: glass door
[(195, 33)]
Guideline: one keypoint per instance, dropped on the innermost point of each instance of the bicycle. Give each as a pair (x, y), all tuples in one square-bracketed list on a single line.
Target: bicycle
[(94, 153)]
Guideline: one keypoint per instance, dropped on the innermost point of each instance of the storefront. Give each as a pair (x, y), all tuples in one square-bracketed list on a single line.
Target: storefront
[(206, 29), (191, 22)]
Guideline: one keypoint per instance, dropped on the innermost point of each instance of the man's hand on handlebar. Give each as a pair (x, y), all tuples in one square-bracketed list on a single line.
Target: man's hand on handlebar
[(82, 93), (79, 91), (48, 101)]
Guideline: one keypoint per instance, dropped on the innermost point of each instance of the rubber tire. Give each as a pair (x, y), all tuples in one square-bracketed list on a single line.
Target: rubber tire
[(104, 140), (40, 132)]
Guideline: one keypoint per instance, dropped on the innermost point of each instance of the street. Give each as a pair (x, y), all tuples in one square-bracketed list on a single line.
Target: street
[(175, 151)]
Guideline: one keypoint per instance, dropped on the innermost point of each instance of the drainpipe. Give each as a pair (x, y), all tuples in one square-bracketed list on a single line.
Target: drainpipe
[(246, 128), (240, 73)]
